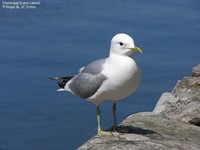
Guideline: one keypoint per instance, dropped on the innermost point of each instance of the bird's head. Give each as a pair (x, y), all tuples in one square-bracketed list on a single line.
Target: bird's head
[(123, 44)]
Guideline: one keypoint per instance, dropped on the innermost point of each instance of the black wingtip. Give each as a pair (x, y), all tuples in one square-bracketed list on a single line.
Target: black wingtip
[(61, 80), (62, 84)]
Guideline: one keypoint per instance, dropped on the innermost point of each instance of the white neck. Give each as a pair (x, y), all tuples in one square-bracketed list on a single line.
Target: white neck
[(119, 55)]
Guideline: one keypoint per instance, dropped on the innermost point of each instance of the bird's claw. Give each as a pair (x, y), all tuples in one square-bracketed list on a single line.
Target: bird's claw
[(104, 133)]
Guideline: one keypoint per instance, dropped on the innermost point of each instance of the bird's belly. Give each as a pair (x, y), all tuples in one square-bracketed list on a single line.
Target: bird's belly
[(121, 83)]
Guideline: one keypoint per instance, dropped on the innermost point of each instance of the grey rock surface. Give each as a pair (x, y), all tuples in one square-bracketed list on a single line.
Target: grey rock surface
[(196, 71), (183, 103), (173, 124)]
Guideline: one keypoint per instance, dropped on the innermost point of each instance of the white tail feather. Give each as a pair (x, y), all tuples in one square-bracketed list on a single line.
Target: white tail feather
[(60, 90)]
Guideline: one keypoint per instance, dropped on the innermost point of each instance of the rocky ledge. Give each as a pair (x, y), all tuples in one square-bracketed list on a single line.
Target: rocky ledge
[(173, 124)]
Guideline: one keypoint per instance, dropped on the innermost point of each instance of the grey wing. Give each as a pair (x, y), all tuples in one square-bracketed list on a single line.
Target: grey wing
[(94, 67), (85, 85)]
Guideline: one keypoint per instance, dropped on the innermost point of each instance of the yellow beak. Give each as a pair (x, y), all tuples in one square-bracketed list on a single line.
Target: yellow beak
[(136, 49)]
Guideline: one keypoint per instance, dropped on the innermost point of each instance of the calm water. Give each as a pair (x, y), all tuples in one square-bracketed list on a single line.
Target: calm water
[(57, 38)]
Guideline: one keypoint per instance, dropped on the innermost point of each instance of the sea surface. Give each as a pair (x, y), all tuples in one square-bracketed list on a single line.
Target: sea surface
[(57, 37)]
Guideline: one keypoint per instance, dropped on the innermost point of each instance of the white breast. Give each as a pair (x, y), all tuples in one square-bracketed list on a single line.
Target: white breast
[(123, 78)]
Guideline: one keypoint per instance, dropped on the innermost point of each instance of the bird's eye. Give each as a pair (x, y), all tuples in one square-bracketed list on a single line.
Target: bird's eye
[(121, 44)]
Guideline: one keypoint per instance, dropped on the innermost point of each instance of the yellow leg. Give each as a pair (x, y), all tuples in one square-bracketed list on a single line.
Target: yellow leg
[(100, 132), (114, 116)]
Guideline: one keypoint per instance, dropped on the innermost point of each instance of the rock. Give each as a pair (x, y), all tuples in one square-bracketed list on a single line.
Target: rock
[(182, 104), (165, 103), (196, 71), (148, 131), (173, 124)]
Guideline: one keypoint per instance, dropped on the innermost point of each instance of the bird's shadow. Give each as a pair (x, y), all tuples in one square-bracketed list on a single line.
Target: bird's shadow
[(131, 130)]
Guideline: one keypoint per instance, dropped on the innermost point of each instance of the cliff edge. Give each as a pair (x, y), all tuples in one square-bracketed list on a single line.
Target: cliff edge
[(173, 124)]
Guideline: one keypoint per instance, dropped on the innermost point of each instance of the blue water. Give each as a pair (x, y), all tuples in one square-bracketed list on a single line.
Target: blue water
[(59, 37)]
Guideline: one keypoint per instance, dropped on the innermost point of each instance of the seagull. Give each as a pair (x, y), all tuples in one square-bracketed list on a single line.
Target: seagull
[(112, 78)]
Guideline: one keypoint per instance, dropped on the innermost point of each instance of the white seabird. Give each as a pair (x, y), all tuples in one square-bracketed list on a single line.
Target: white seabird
[(112, 78)]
